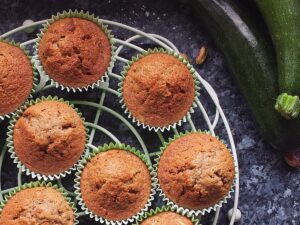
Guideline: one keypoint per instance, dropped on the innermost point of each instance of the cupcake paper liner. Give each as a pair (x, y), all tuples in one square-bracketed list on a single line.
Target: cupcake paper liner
[(40, 184), (34, 71), (105, 148), (158, 210), (77, 14), (176, 206), (10, 141), (124, 73)]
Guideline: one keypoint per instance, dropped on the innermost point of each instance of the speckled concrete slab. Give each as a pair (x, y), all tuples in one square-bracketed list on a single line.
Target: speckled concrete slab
[(270, 191)]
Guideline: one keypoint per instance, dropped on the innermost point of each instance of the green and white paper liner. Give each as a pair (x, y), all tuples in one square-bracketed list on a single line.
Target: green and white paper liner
[(124, 73), (40, 184), (173, 204), (34, 71), (77, 14), (159, 210), (104, 148), (10, 140)]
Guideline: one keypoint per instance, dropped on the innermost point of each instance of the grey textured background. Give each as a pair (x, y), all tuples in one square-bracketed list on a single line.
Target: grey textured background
[(269, 190)]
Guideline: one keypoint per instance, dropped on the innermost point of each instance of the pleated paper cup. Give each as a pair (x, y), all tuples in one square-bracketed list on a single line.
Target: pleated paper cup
[(10, 140), (34, 80), (175, 206), (102, 149), (75, 14), (124, 74), (40, 184)]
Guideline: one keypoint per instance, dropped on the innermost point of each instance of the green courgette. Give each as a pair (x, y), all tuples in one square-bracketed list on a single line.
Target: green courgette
[(251, 59), (283, 20)]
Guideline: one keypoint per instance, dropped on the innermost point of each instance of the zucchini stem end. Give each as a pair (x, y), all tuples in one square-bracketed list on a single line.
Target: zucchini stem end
[(288, 106)]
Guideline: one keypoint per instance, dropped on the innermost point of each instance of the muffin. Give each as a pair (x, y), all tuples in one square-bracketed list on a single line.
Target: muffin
[(167, 218), (39, 205), (75, 52), (158, 89), (16, 78), (196, 171), (49, 137), (115, 184)]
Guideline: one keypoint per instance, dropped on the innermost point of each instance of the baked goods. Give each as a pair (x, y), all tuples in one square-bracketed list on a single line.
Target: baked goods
[(75, 52), (196, 171), (167, 218), (16, 78), (115, 184), (49, 137), (39, 205), (158, 89)]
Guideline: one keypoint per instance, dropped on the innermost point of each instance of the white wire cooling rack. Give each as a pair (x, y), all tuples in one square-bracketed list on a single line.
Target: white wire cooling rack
[(105, 87)]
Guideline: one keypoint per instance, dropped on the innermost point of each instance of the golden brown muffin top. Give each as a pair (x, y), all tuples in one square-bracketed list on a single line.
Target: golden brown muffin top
[(49, 137), (167, 218), (40, 205), (196, 171), (75, 52), (115, 184), (158, 89), (16, 78)]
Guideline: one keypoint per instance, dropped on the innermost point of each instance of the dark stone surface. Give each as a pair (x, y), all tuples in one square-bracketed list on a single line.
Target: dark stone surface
[(269, 190)]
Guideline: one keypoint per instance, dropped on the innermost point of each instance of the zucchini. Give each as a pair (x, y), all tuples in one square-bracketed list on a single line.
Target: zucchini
[(251, 59), (283, 20)]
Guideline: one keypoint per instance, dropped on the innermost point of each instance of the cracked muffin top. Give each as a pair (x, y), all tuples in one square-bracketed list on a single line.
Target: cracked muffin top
[(158, 89), (40, 205), (196, 171), (16, 78), (75, 52), (115, 184), (167, 218), (49, 137)]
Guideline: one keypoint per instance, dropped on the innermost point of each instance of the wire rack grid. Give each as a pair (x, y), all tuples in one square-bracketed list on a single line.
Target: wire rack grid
[(105, 87)]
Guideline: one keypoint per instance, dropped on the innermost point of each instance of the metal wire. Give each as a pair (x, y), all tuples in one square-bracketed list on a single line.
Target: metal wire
[(162, 42)]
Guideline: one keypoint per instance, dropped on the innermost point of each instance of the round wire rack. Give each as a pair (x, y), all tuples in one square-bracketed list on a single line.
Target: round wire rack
[(100, 107)]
